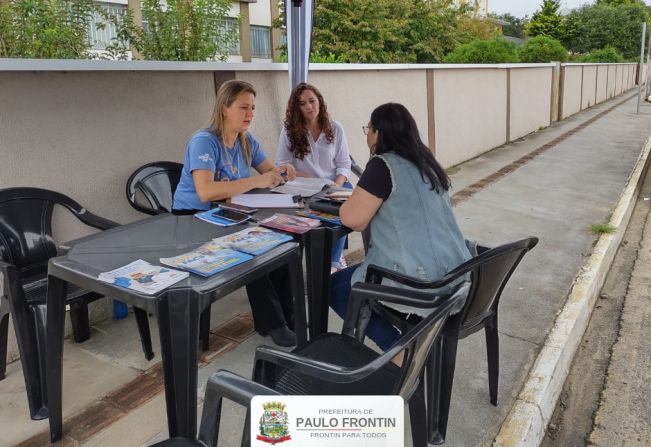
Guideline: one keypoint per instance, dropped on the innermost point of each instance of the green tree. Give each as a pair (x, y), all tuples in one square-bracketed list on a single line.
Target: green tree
[(602, 25), (52, 29), (183, 30), (479, 51), (604, 55), (515, 26), (385, 31), (547, 21), (542, 49)]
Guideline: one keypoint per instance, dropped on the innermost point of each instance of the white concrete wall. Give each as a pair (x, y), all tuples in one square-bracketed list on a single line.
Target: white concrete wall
[(620, 79), (612, 72), (349, 96), (602, 82), (530, 100), (571, 90), (469, 112), (83, 127), (588, 96)]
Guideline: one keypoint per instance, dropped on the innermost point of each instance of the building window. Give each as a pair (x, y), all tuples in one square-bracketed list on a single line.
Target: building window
[(230, 30), (261, 42), (101, 38)]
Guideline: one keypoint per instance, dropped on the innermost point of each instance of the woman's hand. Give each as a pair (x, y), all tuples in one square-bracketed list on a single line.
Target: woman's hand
[(269, 179), (287, 169)]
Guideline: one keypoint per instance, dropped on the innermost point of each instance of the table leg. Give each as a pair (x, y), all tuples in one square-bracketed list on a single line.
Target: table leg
[(178, 325), (298, 293), (318, 252), (56, 312)]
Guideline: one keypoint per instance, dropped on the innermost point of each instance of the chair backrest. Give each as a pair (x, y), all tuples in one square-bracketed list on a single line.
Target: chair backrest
[(26, 226), (355, 168), (490, 271), (150, 189)]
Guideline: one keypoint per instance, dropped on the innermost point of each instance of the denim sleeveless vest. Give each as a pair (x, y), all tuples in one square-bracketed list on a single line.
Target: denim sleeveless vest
[(414, 232)]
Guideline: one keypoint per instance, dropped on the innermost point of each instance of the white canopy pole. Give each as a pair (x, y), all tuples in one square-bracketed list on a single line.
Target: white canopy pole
[(299, 39)]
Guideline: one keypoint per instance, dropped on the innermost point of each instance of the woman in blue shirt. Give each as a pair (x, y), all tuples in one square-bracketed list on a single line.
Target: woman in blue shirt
[(217, 165)]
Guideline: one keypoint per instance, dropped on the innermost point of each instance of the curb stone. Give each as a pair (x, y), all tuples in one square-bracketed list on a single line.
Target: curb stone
[(528, 418)]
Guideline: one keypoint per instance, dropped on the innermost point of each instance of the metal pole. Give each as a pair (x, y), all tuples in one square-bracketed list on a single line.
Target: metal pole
[(299, 39), (639, 82), (647, 86)]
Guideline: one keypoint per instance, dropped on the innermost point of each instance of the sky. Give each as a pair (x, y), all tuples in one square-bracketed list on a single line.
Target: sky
[(519, 8)]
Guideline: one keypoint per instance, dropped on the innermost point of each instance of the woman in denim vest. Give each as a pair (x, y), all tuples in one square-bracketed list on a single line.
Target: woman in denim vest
[(403, 196)]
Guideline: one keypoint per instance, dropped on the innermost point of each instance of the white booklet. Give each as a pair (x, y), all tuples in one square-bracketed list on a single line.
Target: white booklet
[(143, 277), (265, 200), (303, 186)]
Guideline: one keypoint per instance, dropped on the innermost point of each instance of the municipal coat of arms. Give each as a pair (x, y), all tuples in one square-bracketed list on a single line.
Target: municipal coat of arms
[(273, 423)]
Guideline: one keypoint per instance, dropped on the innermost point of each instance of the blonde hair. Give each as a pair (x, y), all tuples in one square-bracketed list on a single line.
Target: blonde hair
[(228, 92)]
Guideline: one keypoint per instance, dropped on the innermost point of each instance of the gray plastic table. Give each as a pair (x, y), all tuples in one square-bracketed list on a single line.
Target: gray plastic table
[(178, 307)]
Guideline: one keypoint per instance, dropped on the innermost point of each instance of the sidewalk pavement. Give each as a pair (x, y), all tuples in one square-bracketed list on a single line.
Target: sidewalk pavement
[(574, 181)]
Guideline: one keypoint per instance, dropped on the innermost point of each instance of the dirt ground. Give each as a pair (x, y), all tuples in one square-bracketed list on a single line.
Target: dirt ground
[(573, 418)]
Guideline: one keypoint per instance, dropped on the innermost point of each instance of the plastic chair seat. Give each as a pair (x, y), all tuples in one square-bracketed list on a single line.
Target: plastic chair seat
[(343, 351), (36, 292)]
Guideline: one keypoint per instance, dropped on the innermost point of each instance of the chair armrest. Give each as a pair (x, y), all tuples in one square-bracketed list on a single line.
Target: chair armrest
[(233, 387), (96, 221), (375, 274), (315, 368), (363, 293)]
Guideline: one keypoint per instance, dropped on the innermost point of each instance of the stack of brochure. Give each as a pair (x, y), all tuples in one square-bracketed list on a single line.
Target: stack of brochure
[(143, 277), (254, 241), (326, 217), (207, 259), (292, 224)]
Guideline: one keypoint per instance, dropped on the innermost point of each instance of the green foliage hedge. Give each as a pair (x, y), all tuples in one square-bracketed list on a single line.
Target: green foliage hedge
[(542, 49), (494, 51)]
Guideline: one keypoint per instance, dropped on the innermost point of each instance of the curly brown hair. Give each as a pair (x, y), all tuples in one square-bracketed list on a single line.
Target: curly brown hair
[(295, 124)]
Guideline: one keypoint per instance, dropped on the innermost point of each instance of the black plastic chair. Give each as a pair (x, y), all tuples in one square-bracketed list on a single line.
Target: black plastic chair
[(4, 332), (489, 272), (26, 245), (150, 190), (151, 187), (339, 364)]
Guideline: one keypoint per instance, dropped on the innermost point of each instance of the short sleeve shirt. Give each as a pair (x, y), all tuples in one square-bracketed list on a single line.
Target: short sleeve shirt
[(376, 179), (206, 151)]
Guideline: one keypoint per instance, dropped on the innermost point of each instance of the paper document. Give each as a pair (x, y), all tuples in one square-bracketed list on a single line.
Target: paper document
[(265, 200), (303, 186), (143, 277)]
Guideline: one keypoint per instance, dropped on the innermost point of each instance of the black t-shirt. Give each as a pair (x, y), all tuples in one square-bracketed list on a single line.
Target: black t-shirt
[(376, 178)]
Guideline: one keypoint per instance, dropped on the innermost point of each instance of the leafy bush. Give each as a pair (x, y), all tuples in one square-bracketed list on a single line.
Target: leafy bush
[(494, 51), (543, 49), (181, 30), (47, 29), (604, 55)]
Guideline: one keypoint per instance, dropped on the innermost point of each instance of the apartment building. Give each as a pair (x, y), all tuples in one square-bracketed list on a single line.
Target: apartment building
[(257, 41)]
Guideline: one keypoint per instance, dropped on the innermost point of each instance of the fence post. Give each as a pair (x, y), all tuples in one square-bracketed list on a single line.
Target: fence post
[(561, 92), (553, 108), (431, 122), (508, 105)]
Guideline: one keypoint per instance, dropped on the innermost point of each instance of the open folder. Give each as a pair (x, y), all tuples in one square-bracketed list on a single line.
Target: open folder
[(266, 200)]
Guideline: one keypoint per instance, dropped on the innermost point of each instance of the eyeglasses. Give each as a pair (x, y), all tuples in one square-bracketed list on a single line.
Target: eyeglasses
[(365, 129)]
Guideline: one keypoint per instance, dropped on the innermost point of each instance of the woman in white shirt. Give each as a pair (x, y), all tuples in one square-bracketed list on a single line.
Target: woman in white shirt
[(315, 145)]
